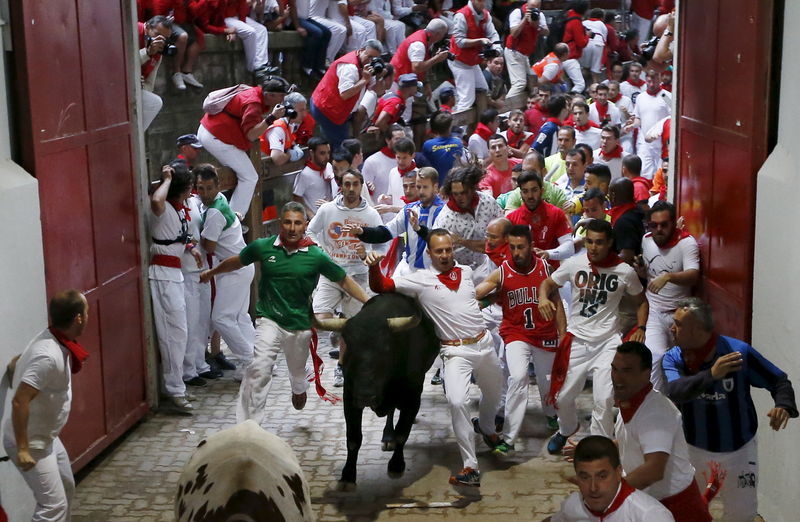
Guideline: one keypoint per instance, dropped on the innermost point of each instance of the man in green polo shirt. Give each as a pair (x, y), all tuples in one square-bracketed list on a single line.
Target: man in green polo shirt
[(290, 268)]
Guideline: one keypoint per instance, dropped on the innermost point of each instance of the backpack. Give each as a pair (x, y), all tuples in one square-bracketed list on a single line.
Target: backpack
[(216, 101), (557, 26)]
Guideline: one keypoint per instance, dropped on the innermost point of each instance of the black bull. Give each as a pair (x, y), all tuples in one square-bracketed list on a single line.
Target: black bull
[(390, 345)]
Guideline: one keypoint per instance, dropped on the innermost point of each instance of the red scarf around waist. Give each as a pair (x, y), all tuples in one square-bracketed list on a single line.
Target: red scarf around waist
[(452, 205), (77, 353), (483, 131), (618, 211), (451, 279), (560, 368), (625, 490)]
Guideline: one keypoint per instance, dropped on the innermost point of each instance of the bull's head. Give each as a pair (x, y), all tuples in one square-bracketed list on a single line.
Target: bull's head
[(396, 324)]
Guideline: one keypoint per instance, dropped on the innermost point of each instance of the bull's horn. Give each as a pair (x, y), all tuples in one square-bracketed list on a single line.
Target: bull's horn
[(398, 324), (332, 325)]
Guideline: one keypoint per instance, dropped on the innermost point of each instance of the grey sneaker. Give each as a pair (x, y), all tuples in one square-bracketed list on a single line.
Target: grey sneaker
[(338, 377), (189, 79), (181, 405), (177, 79)]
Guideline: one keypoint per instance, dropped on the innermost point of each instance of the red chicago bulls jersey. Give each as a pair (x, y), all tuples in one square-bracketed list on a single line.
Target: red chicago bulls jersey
[(519, 295)]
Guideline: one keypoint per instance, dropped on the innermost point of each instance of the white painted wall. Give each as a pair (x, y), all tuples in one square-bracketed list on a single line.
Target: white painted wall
[(776, 286), (23, 306)]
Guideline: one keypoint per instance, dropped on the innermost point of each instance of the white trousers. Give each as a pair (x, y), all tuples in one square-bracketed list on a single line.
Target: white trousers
[(738, 493), (338, 36), (270, 338), (151, 105), (519, 68), (238, 161), (461, 362), (169, 315), (642, 25), (592, 57), (50, 479), (367, 31), (255, 40), (229, 314), (468, 79), (650, 154), (573, 70), (659, 340), (493, 315), (198, 324), (585, 358), (518, 354), (395, 34)]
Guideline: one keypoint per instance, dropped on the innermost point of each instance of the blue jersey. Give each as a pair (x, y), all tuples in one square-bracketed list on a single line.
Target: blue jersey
[(546, 143), (719, 415), (442, 153), (415, 245)]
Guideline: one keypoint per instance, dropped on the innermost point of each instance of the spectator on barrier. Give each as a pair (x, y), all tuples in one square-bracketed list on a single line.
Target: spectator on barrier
[(316, 37), (392, 105), (254, 37), (312, 186), (318, 12), (474, 39), (279, 141), (359, 29), (411, 13), (188, 149), (525, 24), (270, 13), (443, 150), (394, 30), (184, 36), (340, 90), (548, 69), (228, 135), (488, 124), (576, 37), (154, 42)]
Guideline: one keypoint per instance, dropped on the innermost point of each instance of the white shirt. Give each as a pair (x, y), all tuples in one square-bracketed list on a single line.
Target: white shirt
[(600, 32), (455, 314), (657, 426), (381, 7), (229, 240), (683, 256), (165, 226), (460, 28), (614, 164), (613, 114), (310, 186), (303, 8), (515, 18), (650, 109), (478, 146), (638, 507), (376, 171), (396, 188), (416, 52), (631, 91), (45, 365), (188, 263), (590, 136), (318, 9), (624, 103), (593, 311)]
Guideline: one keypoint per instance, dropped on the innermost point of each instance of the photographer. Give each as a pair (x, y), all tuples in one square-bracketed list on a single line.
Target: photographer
[(414, 53), (280, 140), (474, 40), (526, 24), (154, 42), (340, 90)]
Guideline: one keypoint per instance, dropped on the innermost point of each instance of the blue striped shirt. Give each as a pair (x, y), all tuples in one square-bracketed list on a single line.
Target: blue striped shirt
[(415, 246), (719, 415)]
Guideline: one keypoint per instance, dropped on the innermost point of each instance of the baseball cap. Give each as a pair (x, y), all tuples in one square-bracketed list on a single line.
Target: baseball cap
[(189, 139), (408, 80)]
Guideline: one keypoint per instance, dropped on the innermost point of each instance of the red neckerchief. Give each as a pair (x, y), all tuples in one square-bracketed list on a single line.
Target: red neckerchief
[(617, 212), (568, 122), (445, 108), (499, 253), (77, 353), (662, 192), (180, 207), (304, 241), (560, 367), (451, 279), (316, 168), (618, 98), (625, 490), (452, 205), (616, 153), (636, 83), (483, 131), (514, 139), (653, 92), (556, 121), (389, 152), (697, 357), (589, 125), (407, 201), (602, 110), (667, 87), (611, 260), (629, 411), (403, 172)]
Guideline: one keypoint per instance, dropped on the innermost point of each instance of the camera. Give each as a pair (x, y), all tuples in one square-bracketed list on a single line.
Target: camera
[(291, 112), (169, 46), (534, 13), (443, 45), (649, 48), (378, 66), (270, 16), (488, 52)]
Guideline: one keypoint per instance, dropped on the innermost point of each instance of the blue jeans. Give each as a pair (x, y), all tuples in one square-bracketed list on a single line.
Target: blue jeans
[(316, 43), (334, 133)]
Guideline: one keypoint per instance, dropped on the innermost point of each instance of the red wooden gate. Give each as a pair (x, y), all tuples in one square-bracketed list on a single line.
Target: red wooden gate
[(76, 137), (724, 73)]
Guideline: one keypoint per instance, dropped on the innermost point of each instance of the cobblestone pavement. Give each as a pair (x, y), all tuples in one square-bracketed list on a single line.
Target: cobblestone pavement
[(135, 480)]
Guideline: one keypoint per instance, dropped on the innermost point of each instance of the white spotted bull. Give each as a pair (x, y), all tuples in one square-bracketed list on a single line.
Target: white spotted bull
[(243, 474)]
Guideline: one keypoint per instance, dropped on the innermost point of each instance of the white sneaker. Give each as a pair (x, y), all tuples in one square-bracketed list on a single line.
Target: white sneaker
[(338, 377), (181, 405), (177, 79), (191, 80)]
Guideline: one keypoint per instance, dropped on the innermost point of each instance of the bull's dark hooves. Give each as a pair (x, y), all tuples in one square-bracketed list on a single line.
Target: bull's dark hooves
[(345, 486), (387, 446), (395, 474)]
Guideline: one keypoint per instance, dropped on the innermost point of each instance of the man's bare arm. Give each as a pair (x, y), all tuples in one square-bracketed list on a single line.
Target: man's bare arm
[(20, 412)]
